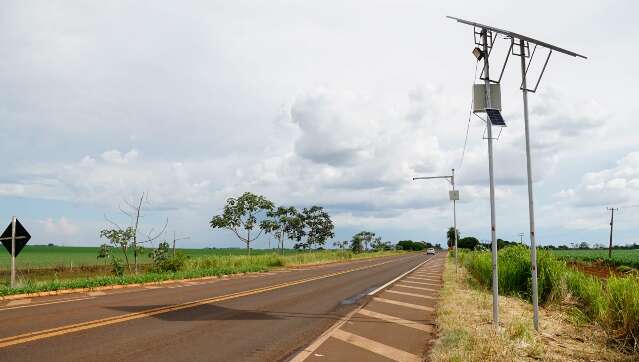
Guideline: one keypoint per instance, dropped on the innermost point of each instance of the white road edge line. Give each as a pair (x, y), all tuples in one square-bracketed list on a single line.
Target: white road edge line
[(45, 303), (398, 278), (306, 352)]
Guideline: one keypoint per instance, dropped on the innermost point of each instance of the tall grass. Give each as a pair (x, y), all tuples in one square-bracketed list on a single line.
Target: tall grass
[(213, 265), (613, 303)]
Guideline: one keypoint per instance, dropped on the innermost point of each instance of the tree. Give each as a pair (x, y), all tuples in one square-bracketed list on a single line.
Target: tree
[(450, 236), (283, 222), (134, 211), (366, 238), (467, 242), (104, 252), (317, 227), (120, 238), (341, 244), (357, 243), (240, 216), (378, 245)]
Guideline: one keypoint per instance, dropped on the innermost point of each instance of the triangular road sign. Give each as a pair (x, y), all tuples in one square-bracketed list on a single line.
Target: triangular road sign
[(22, 237)]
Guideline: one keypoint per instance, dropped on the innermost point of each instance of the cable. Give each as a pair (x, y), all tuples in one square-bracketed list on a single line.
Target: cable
[(470, 112)]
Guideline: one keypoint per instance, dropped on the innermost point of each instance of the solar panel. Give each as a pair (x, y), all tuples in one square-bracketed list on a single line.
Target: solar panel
[(518, 36), (495, 117)]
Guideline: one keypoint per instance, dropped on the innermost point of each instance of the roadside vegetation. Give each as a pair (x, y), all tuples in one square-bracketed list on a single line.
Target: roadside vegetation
[(466, 333), (127, 257), (612, 304), (167, 268)]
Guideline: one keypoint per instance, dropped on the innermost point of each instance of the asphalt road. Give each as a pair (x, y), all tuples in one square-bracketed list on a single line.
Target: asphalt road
[(266, 316)]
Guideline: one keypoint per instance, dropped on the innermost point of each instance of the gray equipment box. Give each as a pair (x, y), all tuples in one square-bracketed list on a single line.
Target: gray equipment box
[(479, 97)]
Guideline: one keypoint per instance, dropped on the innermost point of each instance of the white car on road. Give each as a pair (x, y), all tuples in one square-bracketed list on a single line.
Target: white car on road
[(430, 251)]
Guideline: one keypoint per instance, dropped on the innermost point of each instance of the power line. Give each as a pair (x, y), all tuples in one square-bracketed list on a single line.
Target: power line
[(470, 113)]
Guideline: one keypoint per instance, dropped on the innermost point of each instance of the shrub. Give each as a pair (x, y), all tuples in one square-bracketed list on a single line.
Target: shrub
[(117, 268)]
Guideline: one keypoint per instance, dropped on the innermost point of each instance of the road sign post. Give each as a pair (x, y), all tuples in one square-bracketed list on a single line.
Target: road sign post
[(13, 252), (14, 238)]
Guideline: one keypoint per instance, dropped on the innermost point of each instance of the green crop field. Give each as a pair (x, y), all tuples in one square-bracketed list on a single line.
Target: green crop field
[(42, 256), (627, 257)]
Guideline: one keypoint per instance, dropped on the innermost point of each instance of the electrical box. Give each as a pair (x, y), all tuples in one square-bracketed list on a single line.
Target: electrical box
[(453, 195), (479, 97)]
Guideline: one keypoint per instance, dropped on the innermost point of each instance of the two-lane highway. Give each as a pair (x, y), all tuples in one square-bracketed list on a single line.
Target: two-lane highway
[(266, 316)]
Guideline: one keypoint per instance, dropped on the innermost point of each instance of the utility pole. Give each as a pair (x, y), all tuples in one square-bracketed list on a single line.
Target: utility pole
[(493, 222), (454, 196), (612, 221), (176, 239), (521, 238), (522, 44)]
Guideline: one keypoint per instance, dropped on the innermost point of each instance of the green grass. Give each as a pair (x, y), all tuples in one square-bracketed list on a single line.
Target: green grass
[(207, 265), (613, 303), (626, 257), (42, 256)]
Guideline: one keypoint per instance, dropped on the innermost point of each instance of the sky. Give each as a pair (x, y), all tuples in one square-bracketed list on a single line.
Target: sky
[(331, 103)]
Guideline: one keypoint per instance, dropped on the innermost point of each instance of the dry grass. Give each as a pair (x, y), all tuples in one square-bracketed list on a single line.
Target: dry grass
[(466, 332)]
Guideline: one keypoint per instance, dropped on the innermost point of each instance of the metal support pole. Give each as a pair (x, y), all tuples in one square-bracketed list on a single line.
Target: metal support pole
[(452, 181), (493, 227), (531, 209), (13, 252), (612, 221)]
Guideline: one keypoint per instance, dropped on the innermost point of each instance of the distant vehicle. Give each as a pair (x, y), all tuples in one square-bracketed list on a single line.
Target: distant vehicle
[(430, 251)]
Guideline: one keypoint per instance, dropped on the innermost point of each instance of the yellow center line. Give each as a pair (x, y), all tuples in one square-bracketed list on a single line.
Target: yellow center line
[(76, 327)]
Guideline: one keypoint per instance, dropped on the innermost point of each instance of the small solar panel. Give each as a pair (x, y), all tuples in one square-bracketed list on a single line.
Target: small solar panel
[(495, 117)]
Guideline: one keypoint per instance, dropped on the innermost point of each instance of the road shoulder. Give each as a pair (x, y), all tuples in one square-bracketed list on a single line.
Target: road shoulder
[(394, 324)]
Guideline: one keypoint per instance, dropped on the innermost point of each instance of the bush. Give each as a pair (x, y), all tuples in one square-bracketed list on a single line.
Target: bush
[(117, 268)]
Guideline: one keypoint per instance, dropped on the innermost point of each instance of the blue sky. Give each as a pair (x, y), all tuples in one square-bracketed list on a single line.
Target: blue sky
[(338, 104)]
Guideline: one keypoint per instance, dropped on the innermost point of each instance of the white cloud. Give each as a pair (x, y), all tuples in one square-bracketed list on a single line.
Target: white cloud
[(60, 227), (115, 156), (616, 186)]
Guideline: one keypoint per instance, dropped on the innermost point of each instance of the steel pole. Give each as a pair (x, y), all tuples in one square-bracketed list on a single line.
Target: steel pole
[(13, 252), (493, 227), (452, 181), (612, 220), (531, 208)]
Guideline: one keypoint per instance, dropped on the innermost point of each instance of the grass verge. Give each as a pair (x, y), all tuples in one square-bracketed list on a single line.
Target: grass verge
[(466, 333), (612, 303), (196, 268)]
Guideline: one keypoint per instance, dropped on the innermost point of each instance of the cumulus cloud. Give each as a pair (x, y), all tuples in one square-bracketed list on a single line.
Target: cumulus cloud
[(61, 227), (618, 185)]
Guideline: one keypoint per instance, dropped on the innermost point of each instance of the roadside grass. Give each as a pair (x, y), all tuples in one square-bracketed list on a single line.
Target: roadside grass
[(613, 304), (198, 267), (466, 333), (70, 257)]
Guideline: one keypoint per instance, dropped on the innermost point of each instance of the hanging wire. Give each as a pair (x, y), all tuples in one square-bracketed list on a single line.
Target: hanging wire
[(470, 112)]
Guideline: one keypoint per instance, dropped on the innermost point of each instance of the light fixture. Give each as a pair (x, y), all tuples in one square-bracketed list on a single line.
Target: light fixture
[(478, 53)]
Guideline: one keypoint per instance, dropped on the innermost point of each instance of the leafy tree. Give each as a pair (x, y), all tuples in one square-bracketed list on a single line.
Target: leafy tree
[(283, 222), (116, 267), (120, 238), (366, 238), (240, 216), (357, 243), (450, 236), (467, 242), (341, 244), (410, 245), (318, 228), (104, 252), (378, 245)]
